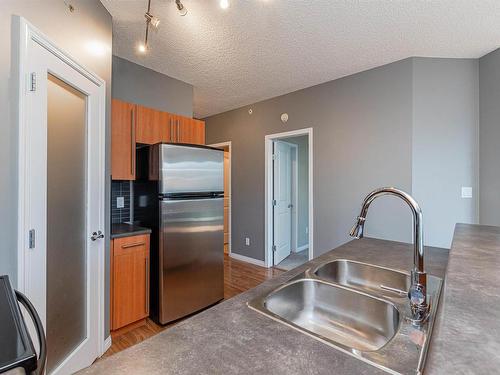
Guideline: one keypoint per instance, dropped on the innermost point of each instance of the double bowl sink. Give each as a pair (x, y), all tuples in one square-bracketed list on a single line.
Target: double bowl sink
[(360, 309)]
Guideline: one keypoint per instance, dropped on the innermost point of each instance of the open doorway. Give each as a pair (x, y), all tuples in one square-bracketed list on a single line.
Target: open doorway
[(226, 146), (289, 199)]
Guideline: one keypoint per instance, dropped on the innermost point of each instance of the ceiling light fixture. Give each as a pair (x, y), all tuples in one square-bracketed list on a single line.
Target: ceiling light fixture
[(150, 20), (224, 4), (142, 48), (181, 8)]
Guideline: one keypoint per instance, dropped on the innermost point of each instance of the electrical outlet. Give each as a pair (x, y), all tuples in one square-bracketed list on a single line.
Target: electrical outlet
[(120, 202), (247, 241), (466, 192)]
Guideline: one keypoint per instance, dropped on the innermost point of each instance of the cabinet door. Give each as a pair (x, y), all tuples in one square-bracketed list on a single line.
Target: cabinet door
[(167, 129), (150, 125), (123, 120), (191, 131), (130, 280)]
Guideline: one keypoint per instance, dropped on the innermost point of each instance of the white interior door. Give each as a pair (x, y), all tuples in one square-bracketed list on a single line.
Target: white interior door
[(63, 205), (282, 201)]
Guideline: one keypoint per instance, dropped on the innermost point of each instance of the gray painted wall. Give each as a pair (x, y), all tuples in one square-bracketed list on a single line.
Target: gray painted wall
[(71, 32), (302, 188), (137, 84), (489, 138), (445, 144), (412, 124), (362, 127)]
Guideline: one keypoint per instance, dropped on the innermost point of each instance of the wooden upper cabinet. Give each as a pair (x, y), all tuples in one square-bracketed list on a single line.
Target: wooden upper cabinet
[(133, 123), (191, 131), (129, 280), (152, 126), (123, 122)]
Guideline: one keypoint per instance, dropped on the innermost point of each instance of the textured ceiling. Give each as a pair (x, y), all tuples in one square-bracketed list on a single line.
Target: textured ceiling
[(258, 49)]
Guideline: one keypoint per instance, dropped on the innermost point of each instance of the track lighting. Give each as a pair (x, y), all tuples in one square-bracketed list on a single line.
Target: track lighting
[(152, 20), (181, 8)]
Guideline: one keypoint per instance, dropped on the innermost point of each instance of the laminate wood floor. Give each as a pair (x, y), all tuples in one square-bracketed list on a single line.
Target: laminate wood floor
[(238, 277)]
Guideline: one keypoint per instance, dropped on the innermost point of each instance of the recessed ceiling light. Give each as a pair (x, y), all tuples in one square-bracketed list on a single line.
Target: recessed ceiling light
[(224, 4)]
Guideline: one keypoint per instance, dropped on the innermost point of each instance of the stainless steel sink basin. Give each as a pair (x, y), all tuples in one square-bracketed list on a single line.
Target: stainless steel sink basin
[(357, 308), (365, 277), (349, 318)]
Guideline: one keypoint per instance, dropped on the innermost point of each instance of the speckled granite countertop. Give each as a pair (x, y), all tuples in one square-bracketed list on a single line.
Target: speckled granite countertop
[(127, 230), (466, 337), (230, 338)]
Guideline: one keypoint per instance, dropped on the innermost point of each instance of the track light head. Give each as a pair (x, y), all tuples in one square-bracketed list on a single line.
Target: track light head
[(181, 8), (152, 20)]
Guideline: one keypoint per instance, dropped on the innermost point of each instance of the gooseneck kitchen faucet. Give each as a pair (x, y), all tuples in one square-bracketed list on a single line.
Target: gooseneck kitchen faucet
[(418, 288)]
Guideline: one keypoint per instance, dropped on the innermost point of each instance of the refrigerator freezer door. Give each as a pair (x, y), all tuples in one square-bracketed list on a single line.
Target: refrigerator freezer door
[(191, 256), (190, 169)]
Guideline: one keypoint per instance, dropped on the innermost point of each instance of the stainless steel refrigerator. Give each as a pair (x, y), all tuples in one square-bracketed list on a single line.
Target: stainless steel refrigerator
[(180, 195)]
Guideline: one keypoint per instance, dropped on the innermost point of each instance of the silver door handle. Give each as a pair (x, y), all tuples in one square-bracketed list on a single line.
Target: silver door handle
[(96, 235)]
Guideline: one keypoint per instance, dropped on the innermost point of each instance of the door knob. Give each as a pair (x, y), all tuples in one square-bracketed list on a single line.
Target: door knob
[(96, 235)]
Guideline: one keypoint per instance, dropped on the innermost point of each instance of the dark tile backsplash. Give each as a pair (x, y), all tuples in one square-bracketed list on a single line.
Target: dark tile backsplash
[(120, 189)]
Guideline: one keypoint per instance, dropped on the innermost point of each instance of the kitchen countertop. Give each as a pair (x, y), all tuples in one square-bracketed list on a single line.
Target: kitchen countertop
[(466, 338), (230, 338), (126, 230)]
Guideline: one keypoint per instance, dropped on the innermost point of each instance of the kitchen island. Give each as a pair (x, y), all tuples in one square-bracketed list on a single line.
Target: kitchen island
[(230, 338)]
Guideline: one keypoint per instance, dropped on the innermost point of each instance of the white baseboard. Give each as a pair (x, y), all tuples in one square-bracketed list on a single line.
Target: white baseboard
[(302, 248), (107, 344), (243, 258)]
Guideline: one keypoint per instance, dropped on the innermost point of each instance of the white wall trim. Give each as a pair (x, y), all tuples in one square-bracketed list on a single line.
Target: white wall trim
[(302, 248), (106, 344), (26, 32), (295, 210), (229, 145), (243, 258), (268, 170)]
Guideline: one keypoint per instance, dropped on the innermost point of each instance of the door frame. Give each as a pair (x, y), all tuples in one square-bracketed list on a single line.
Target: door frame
[(26, 33), (228, 144), (268, 171)]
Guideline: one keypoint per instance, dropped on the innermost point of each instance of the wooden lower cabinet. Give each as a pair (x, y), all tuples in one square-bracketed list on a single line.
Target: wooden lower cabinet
[(129, 280)]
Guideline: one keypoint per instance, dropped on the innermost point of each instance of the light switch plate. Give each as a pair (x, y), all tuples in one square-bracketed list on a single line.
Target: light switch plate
[(466, 192), (120, 202)]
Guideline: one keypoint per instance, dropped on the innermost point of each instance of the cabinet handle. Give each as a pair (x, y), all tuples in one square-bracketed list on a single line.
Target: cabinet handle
[(171, 130), (132, 141), (146, 264), (178, 130), (135, 244)]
